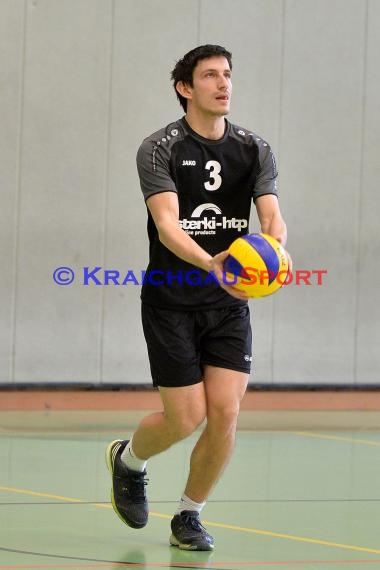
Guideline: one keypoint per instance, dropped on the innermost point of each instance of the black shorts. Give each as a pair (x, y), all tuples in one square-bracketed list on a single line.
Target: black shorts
[(180, 343)]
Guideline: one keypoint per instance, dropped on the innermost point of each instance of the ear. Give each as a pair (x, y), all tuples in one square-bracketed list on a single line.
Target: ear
[(184, 89)]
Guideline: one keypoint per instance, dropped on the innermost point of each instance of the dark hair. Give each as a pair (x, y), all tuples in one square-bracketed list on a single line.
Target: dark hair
[(183, 70)]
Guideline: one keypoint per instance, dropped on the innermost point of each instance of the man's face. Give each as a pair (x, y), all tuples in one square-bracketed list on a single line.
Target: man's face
[(211, 91)]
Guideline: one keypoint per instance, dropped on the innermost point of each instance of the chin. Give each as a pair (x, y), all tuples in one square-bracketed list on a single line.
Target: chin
[(222, 112), (225, 111)]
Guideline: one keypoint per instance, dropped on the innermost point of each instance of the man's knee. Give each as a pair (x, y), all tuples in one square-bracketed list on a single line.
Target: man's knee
[(223, 417), (185, 424), (188, 426)]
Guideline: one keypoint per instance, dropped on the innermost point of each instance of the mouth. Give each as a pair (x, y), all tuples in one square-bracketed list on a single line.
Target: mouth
[(223, 97)]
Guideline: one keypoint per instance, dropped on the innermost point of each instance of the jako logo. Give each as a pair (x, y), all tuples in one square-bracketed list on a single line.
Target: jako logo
[(189, 163), (208, 225)]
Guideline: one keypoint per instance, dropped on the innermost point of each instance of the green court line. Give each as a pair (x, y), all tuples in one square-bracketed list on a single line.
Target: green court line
[(336, 438), (258, 532)]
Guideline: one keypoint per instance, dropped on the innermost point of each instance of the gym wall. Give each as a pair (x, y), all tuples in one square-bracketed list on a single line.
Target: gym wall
[(84, 81)]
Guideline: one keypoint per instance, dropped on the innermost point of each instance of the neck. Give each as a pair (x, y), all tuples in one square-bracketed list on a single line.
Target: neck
[(210, 127)]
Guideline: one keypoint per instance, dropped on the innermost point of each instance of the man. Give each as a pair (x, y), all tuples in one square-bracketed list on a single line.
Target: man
[(199, 176)]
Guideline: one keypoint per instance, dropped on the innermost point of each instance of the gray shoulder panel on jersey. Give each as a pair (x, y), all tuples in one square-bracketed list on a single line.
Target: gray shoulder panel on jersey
[(153, 160), (266, 181)]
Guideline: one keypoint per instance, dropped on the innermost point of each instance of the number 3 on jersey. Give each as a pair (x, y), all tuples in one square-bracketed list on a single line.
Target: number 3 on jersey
[(215, 179)]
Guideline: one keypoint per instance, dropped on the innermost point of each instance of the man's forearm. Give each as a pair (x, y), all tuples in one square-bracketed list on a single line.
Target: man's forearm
[(275, 227), (184, 247)]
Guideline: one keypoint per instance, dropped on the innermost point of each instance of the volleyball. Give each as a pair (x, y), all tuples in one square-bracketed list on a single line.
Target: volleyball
[(257, 264)]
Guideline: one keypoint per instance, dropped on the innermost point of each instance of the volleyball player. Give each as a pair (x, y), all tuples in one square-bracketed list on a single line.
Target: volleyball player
[(199, 177)]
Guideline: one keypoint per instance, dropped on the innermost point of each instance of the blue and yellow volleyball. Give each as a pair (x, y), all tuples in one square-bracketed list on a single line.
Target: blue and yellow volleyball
[(257, 264)]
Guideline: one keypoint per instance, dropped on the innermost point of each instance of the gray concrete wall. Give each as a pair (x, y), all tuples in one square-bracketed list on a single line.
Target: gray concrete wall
[(83, 81)]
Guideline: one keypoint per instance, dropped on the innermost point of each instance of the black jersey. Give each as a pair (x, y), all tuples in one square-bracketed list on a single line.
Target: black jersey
[(216, 182)]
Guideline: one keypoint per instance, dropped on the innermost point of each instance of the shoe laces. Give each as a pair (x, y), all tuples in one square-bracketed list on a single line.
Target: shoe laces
[(136, 487), (192, 521)]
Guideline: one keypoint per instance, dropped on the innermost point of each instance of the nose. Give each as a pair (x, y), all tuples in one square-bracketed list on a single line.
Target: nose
[(224, 82)]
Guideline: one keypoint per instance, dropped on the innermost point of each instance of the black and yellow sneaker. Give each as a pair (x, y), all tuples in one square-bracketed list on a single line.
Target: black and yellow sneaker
[(128, 488), (188, 533)]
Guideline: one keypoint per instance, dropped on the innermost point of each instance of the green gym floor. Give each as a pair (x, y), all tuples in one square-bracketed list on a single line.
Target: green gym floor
[(289, 499)]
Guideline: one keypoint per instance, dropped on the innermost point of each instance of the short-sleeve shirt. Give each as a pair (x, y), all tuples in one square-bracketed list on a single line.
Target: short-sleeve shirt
[(216, 182)]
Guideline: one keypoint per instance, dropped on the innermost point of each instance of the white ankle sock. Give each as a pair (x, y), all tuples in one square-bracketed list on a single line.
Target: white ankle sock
[(187, 504), (131, 460)]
